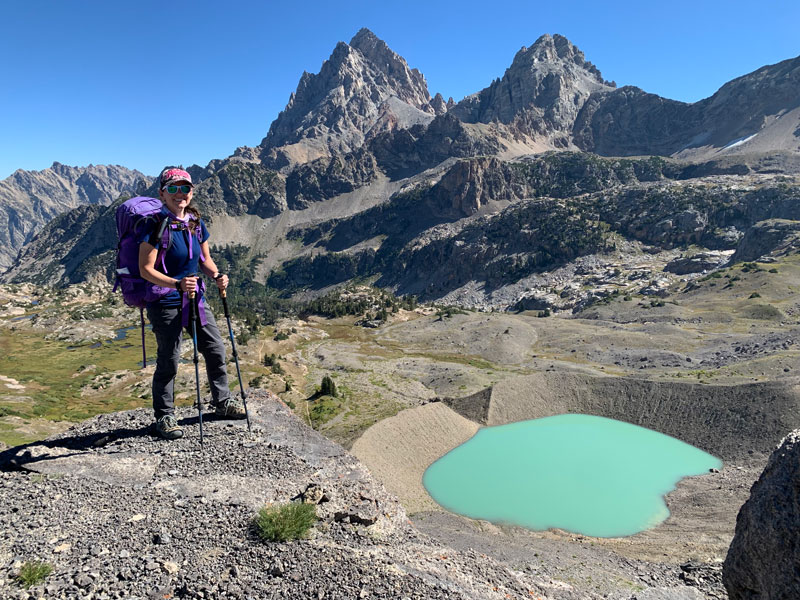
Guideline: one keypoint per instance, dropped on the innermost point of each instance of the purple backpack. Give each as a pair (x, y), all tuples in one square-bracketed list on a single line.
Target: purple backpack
[(134, 217)]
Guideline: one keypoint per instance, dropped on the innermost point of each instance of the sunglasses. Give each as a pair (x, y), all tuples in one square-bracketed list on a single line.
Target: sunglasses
[(174, 189)]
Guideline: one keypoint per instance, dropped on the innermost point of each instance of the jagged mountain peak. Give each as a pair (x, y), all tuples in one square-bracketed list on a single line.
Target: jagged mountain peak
[(361, 85), (555, 49), (540, 93), (365, 39), (379, 53)]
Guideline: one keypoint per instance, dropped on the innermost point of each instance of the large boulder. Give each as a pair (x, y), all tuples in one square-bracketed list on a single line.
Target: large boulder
[(772, 236), (697, 263), (763, 561)]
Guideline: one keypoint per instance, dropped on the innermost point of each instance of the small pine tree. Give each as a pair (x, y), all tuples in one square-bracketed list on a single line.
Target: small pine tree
[(328, 387)]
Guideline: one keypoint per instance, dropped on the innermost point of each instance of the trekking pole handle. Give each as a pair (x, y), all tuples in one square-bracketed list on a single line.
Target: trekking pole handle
[(224, 295)]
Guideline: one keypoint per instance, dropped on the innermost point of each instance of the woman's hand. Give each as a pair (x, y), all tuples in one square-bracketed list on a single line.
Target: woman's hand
[(189, 284), (222, 281)]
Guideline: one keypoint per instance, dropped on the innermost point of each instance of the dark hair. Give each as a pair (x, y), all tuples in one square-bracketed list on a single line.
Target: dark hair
[(194, 223)]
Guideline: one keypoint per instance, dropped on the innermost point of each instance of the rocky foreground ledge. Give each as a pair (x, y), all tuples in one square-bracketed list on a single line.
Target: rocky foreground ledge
[(119, 513)]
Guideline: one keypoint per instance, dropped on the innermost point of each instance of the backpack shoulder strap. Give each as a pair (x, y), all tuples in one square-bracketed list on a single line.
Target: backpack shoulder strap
[(163, 239)]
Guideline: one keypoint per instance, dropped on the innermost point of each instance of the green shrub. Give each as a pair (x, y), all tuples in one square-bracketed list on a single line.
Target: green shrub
[(280, 336), (283, 522), (328, 387), (447, 312), (277, 369), (773, 270), (713, 275), (751, 266), (257, 382), (755, 295), (323, 410), (33, 572)]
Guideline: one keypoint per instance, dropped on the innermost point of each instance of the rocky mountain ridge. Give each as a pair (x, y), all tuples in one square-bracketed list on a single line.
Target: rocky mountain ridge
[(541, 93), (364, 88), (362, 144), (31, 199)]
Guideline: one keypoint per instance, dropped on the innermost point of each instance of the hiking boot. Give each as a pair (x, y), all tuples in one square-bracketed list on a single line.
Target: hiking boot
[(167, 427), (230, 408)]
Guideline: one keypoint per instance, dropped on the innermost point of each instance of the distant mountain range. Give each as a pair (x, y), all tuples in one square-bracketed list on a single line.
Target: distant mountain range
[(365, 174), (31, 199)]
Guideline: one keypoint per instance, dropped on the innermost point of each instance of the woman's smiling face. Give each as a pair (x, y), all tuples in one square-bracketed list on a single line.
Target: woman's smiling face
[(177, 202)]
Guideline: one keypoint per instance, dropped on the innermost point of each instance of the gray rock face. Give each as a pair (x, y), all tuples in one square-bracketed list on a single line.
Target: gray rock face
[(697, 263), (404, 152), (629, 121), (763, 558), (757, 112), (78, 245), (328, 177), (240, 188), (362, 89), (540, 93), (30, 199), (772, 236), (121, 514)]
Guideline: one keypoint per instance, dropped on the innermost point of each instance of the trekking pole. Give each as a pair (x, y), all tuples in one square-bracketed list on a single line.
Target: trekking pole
[(144, 353), (193, 319), (224, 297)]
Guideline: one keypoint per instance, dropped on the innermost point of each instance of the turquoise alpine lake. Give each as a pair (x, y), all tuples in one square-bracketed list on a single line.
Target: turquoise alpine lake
[(580, 473)]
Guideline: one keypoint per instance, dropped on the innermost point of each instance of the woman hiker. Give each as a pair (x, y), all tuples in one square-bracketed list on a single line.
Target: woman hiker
[(173, 275)]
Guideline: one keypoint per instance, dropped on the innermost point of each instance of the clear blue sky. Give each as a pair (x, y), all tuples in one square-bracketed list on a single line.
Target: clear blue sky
[(144, 84)]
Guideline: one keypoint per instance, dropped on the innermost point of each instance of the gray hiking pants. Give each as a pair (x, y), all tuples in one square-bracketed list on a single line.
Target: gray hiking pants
[(167, 328)]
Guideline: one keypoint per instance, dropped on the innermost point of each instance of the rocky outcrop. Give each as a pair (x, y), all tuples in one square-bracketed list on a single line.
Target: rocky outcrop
[(676, 214), (629, 121), (697, 263), (118, 513), (405, 152), (240, 188), (495, 222), (30, 199), (76, 246), (775, 237), (765, 552), (329, 176)]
